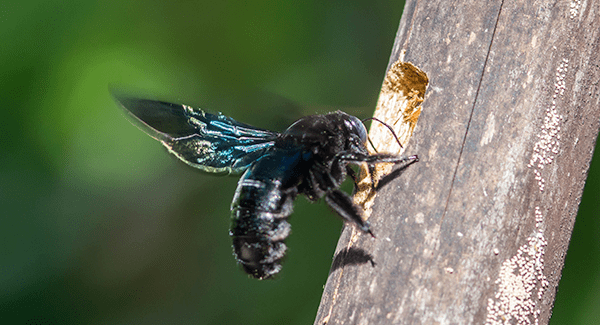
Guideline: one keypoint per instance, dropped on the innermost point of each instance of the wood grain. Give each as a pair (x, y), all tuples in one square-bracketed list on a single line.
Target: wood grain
[(477, 231)]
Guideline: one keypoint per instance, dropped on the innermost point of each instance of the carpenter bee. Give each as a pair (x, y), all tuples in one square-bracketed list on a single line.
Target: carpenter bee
[(312, 157)]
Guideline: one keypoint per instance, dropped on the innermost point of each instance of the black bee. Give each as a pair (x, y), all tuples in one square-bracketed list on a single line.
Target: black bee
[(311, 157)]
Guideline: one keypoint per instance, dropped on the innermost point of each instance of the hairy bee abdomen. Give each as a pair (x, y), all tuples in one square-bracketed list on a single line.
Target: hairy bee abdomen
[(259, 227)]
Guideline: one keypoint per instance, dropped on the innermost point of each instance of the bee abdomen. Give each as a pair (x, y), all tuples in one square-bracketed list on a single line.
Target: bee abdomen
[(259, 226)]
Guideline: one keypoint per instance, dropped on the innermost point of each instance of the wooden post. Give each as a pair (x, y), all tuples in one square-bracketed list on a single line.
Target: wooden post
[(476, 232)]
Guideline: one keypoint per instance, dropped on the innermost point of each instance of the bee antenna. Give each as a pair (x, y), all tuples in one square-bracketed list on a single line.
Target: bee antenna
[(387, 126)]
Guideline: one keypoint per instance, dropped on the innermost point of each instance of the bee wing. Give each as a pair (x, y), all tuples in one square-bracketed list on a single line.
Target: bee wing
[(213, 143)]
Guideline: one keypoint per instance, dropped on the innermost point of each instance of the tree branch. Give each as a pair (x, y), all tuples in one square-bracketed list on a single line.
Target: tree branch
[(477, 231)]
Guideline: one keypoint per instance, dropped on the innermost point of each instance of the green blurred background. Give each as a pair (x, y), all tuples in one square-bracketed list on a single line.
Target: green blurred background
[(100, 226)]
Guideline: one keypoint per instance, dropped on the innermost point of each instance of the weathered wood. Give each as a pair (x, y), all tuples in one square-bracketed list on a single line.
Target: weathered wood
[(477, 231)]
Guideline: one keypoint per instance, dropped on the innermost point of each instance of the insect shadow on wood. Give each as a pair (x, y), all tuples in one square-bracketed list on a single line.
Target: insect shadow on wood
[(351, 256)]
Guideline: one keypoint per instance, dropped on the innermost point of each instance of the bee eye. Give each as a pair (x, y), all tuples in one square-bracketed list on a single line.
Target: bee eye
[(357, 127)]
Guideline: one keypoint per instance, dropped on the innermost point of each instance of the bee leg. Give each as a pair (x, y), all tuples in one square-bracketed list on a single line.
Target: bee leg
[(386, 179), (342, 204), (371, 160), (356, 158)]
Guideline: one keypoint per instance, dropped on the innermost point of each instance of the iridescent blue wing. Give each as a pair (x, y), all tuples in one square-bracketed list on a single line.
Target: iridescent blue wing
[(213, 143)]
